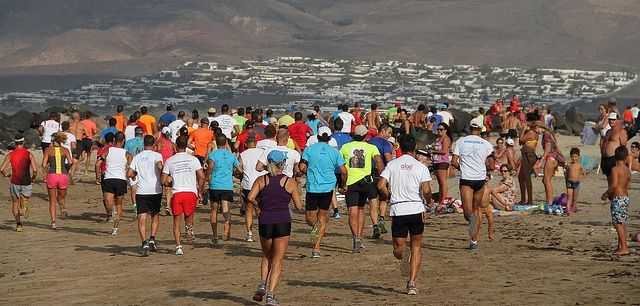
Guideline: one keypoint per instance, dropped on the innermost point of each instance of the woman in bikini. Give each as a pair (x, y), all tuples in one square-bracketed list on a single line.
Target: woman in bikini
[(552, 157), (529, 142), (441, 159)]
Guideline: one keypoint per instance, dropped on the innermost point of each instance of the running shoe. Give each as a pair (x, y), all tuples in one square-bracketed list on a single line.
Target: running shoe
[(411, 288), (167, 211), (259, 295), (271, 300), (315, 254), (179, 250), (114, 231), (53, 227), (473, 226), (226, 231), (19, 228), (249, 237), (63, 214), (135, 208), (473, 246), (405, 262), (109, 218), (357, 246), (24, 209), (145, 249), (336, 214), (314, 232), (383, 225), (376, 232), (152, 245), (214, 240)]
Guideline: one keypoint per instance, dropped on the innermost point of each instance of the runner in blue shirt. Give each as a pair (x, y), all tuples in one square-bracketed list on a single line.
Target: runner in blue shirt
[(168, 117), (221, 164), (319, 162)]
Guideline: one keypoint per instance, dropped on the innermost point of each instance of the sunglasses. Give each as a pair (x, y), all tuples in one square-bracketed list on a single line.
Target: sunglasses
[(441, 129), (504, 171), (500, 142), (613, 119), (634, 147)]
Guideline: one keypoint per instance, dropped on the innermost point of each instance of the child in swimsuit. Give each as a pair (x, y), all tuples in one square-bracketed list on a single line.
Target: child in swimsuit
[(574, 175), (618, 195)]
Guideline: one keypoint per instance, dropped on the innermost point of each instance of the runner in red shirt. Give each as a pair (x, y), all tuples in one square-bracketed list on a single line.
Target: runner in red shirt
[(298, 131), (248, 131), (23, 172)]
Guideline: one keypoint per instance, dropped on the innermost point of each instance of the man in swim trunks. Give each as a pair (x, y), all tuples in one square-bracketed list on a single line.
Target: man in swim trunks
[(473, 155), (615, 137), (618, 195)]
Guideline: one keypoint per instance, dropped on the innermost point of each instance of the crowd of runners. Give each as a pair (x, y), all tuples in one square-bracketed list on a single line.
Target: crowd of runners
[(179, 162)]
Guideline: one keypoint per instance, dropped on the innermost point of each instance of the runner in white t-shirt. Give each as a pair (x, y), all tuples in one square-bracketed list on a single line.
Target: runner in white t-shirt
[(47, 128), (227, 124), (183, 173), (473, 155), (146, 169), (347, 119), (409, 183), (176, 125), (130, 129), (293, 157), (249, 159)]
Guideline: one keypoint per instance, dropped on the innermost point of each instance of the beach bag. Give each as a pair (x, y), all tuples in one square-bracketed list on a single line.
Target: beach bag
[(560, 200)]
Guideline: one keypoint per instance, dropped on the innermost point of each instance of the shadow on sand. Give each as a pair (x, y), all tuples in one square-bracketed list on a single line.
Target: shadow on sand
[(224, 297)]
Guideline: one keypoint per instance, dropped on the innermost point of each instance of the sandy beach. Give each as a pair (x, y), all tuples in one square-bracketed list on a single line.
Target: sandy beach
[(535, 259)]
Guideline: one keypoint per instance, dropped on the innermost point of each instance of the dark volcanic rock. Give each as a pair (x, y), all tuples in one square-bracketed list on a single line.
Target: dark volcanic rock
[(20, 121)]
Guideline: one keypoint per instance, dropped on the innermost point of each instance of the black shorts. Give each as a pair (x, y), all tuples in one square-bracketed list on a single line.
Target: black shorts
[(606, 164), (315, 201), (116, 186), (245, 195), (148, 203), (270, 231), (359, 192), (474, 184), (44, 146), (85, 145), (220, 195), (381, 197), (409, 224), (200, 159), (339, 180)]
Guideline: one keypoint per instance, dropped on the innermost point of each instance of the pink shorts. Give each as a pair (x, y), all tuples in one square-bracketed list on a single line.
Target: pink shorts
[(57, 181)]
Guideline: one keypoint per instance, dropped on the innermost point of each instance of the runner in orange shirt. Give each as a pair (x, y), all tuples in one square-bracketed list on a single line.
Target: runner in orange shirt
[(121, 119), (201, 140), (87, 140), (148, 120)]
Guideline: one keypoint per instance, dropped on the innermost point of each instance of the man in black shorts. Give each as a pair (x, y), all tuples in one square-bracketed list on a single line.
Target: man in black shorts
[(114, 185), (473, 155), (146, 168), (359, 156), (409, 183), (319, 162)]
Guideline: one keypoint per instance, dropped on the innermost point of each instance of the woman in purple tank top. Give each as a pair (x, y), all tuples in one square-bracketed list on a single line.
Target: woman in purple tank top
[(272, 193)]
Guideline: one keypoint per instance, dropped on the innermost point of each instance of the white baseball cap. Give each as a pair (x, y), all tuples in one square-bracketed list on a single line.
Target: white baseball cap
[(324, 130), (613, 116), (476, 123), (510, 142), (361, 130), (166, 130)]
